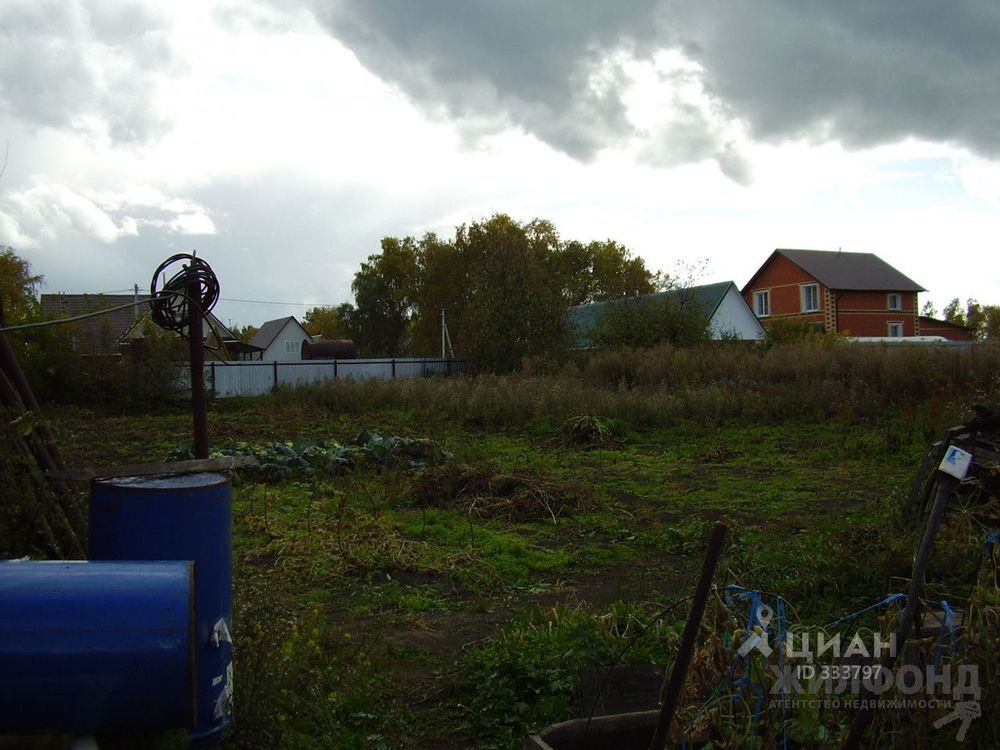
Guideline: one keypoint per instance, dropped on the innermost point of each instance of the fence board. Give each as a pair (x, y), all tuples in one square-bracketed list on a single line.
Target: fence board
[(241, 378)]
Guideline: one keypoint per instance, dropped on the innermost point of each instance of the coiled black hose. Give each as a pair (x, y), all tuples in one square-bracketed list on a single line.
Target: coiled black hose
[(170, 304)]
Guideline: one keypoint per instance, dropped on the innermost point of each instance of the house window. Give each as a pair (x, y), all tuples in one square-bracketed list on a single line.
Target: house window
[(292, 346), (810, 298), (895, 329), (762, 303), (895, 301)]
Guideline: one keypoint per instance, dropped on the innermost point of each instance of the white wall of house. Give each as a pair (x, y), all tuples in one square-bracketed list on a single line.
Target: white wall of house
[(733, 318), (287, 345)]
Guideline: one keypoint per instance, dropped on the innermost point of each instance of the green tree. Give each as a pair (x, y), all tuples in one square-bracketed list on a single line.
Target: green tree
[(601, 271), (617, 273), (18, 287), (504, 288), (953, 312), (322, 321), (513, 306), (673, 317), (246, 333), (384, 299), (983, 321), (442, 284)]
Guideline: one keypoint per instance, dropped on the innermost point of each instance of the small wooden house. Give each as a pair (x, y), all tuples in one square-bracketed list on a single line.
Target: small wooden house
[(280, 340)]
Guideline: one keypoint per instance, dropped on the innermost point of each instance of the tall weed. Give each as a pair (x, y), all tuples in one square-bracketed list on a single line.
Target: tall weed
[(726, 383)]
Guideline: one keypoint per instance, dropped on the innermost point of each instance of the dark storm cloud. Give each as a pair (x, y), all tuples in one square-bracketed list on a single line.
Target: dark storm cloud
[(542, 66), (83, 66), (859, 72)]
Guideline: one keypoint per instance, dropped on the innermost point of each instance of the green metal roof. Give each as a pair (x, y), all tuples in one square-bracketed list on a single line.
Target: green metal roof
[(708, 297)]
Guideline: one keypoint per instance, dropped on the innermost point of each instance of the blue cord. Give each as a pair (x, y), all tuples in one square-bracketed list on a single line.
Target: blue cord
[(947, 629), (878, 605), (736, 595)]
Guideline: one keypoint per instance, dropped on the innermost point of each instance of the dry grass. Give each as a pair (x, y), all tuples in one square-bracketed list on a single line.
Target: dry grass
[(483, 493), (708, 385)]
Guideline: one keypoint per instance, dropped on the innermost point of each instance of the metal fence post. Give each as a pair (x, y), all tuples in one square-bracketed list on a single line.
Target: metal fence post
[(393, 368), (275, 373)]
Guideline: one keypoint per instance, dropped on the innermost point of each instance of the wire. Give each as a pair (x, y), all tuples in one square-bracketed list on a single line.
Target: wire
[(265, 302), (60, 321), (171, 304)]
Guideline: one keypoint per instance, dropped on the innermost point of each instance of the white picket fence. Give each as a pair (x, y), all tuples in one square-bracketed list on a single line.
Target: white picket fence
[(240, 378)]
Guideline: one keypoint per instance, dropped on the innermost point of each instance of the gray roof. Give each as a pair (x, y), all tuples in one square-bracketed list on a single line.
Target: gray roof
[(117, 322), (117, 326), (211, 327), (583, 318), (269, 331), (854, 271)]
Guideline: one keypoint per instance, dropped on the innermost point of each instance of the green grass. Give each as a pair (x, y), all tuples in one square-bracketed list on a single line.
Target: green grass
[(367, 619)]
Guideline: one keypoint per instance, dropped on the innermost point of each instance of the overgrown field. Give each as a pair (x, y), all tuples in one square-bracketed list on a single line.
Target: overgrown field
[(449, 595)]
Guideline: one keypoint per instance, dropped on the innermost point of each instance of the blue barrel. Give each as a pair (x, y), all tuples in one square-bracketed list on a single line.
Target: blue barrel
[(180, 517), (96, 647)]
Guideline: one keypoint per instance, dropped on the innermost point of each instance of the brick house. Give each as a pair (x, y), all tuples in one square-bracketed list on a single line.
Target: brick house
[(951, 331), (836, 292)]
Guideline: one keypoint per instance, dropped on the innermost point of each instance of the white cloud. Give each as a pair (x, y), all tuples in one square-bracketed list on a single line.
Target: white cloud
[(46, 210), (49, 212), (250, 130), (199, 223)]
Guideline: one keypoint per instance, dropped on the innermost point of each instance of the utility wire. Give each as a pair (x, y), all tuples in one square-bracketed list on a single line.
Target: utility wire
[(60, 321), (107, 310), (264, 302)]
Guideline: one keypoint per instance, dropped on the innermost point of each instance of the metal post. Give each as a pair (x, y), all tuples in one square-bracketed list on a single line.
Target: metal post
[(393, 368), (199, 406), (688, 637), (946, 486), (334, 369)]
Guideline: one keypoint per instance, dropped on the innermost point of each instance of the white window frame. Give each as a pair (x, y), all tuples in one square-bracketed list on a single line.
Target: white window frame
[(292, 346), (762, 295), (897, 325), (802, 297), (889, 300)]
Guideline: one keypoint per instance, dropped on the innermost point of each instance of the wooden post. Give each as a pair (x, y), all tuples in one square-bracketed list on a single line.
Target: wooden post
[(10, 365), (199, 406), (679, 672), (946, 485)]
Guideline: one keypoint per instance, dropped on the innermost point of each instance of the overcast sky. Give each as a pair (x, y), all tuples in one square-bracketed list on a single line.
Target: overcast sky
[(283, 140)]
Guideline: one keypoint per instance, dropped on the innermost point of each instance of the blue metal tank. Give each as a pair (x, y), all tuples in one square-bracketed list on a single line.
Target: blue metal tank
[(180, 517), (88, 647)]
